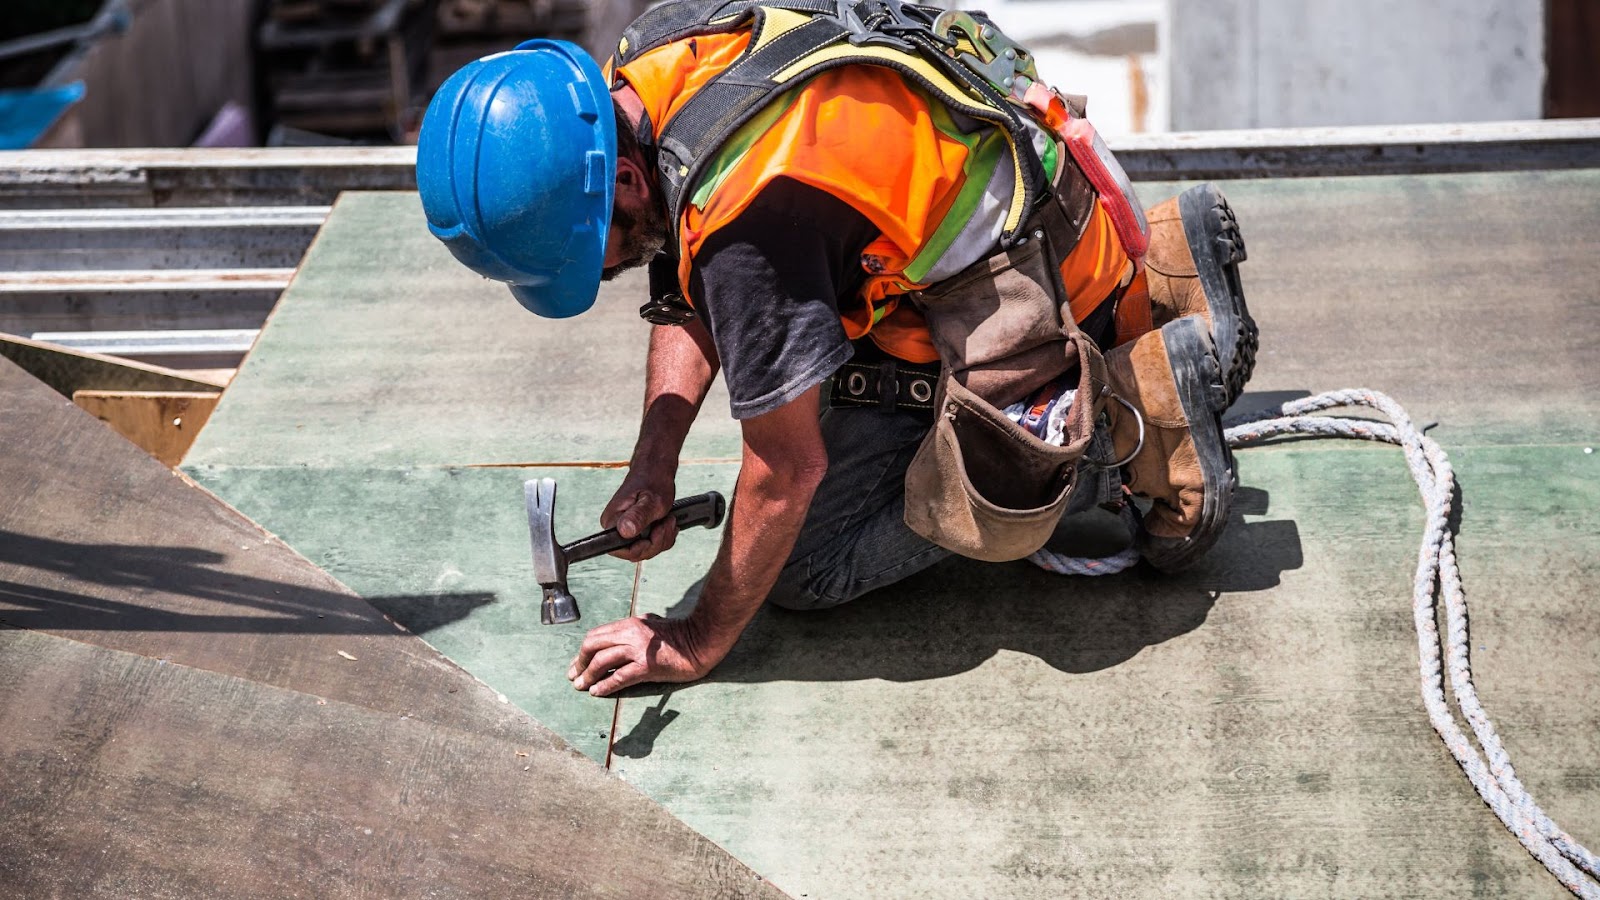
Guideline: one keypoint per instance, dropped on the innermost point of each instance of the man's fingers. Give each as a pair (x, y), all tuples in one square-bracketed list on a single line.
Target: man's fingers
[(601, 637), (619, 504), (630, 674), (663, 536), (598, 638), (609, 658), (659, 540), (648, 506)]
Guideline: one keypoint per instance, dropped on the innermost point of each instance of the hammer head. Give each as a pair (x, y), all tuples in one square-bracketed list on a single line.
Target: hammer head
[(549, 561)]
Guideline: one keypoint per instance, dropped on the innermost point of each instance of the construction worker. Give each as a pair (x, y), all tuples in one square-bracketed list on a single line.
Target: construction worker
[(882, 246)]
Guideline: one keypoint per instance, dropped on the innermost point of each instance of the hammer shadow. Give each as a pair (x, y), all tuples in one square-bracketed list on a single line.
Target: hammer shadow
[(958, 614)]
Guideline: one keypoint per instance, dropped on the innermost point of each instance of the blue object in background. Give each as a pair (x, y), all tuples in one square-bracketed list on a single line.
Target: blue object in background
[(25, 115)]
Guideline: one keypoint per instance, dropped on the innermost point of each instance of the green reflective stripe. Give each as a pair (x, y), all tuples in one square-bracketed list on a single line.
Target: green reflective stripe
[(1049, 159), (986, 149), (737, 145)]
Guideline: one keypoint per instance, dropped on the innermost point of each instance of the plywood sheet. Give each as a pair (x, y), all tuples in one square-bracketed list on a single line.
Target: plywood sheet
[(161, 423), (132, 777), (102, 543), (445, 552), (1470, 298), (1251, 729), (385, 351), (67, 370)]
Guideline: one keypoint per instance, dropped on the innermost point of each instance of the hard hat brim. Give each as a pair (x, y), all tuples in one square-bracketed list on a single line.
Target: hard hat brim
[(571, 291)]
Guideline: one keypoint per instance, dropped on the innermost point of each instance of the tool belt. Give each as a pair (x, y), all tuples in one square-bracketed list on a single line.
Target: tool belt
[(981, 485), (889, 383)]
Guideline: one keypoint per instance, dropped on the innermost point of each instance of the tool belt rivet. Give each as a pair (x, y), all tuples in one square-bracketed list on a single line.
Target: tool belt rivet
[(856, 384), (921, 391)]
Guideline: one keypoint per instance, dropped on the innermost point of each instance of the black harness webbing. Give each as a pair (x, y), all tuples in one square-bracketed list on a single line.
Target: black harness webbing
[(687, 142)]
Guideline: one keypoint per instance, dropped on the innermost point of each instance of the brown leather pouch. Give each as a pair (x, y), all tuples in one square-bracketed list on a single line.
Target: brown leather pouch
[(981, 485)]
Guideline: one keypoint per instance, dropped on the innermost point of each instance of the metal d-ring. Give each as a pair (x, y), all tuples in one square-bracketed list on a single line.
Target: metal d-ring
[(1136, 448)]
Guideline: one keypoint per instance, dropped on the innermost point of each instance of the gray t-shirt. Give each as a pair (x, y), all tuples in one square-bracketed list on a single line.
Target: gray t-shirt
[(768, 287)]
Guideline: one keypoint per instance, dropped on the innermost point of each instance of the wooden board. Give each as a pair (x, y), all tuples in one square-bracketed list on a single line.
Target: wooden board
[(205, 704), (68, 371), (132, 777), (161, 423), (1249, 729)]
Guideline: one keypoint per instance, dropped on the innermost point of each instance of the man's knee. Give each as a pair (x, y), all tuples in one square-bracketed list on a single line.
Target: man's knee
[(798, 590)]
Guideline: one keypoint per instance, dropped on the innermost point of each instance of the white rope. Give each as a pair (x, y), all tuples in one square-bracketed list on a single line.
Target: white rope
[(1438, 576), (1061, 564)]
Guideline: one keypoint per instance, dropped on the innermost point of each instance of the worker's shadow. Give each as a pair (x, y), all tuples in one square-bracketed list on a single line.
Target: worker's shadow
[(958, 614)]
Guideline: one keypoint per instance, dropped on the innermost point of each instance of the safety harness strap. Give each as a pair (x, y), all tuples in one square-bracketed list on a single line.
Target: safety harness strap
[(878, 32)]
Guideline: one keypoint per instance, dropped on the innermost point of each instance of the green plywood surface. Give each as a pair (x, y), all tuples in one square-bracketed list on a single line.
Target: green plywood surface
[(1473, 299), (385, 351), (1251, 729), (416, 541)]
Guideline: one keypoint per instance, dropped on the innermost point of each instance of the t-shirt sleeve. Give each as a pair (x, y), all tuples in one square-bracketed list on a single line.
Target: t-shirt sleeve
[(768, 287)]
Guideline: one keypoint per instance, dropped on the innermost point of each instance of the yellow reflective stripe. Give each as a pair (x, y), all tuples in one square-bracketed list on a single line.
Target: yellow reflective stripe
[(949, 92), (778, 23)]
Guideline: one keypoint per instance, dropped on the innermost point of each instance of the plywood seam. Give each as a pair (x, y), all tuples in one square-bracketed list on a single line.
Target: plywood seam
[(616, 709)]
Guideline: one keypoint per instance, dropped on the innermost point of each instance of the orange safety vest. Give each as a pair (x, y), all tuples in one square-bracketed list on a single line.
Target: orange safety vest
[(868, 137)]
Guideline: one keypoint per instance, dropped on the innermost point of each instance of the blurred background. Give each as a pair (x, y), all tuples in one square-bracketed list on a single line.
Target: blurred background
[(239, 73)]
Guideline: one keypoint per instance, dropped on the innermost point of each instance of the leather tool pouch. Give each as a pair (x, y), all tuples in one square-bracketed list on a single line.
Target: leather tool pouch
[(981, 485)]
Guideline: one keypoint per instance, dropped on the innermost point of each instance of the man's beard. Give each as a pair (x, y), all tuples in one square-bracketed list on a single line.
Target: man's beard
[(643, 236)]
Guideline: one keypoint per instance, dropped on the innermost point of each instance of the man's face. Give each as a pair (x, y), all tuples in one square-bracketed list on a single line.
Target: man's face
[(637, 234), (638, 223)]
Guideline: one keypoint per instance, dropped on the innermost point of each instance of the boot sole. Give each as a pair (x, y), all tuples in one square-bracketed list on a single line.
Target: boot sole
[(1218, 247), (1199, 379)]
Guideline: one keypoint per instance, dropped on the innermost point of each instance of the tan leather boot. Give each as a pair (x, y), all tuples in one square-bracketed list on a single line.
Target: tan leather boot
[(1171, 439), (1192, 269)]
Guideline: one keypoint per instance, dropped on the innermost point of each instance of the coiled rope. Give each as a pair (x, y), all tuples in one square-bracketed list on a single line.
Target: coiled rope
[(1438, 576)]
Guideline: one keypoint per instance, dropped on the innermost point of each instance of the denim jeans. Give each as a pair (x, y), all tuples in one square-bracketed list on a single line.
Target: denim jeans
[(855, 537)]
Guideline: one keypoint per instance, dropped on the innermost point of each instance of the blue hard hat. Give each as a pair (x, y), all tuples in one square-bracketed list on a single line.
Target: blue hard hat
[(517, 167)]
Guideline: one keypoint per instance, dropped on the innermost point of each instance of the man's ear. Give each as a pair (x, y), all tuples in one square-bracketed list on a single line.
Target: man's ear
[(633, 182)]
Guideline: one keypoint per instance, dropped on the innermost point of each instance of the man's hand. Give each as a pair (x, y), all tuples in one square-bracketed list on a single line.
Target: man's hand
[(648, 648), (644, 498), (783, 462)]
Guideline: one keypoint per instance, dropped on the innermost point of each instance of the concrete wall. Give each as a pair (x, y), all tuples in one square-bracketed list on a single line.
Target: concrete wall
[(1271, 63), (158, 84)]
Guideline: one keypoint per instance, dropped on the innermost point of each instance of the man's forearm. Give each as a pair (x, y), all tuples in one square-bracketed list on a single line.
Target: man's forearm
[(682, 364), (784, 460), (769, 509)]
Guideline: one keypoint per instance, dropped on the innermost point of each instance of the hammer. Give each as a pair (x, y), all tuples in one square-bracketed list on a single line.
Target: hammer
[(551, 558)]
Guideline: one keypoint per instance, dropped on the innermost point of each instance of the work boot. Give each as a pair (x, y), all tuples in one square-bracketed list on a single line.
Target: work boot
[(1193, 270), (1170, 441)]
